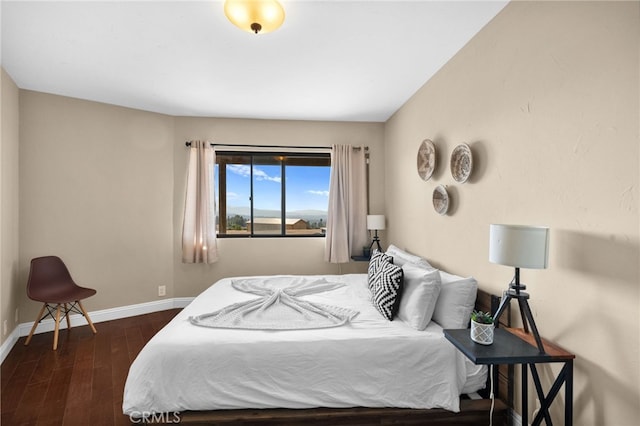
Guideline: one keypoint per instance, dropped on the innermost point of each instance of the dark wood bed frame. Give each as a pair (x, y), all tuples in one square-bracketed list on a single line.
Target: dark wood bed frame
[(472, 411)]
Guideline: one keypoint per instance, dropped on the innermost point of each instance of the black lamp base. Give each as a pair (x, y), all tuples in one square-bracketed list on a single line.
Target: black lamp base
[(516, 292), (376, 241)]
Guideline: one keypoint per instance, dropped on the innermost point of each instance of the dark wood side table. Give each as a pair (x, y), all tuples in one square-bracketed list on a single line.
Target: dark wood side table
[(361, 258), (514, 346)]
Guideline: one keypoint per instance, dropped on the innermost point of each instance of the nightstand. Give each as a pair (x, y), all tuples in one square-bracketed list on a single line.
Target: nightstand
[(514, 346), (361, 258)]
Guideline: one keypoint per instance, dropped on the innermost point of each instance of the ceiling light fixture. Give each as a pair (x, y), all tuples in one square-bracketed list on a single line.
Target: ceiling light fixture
[(256, 16)]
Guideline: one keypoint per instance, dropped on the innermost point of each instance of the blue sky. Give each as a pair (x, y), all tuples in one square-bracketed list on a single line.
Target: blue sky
[(307, 187)]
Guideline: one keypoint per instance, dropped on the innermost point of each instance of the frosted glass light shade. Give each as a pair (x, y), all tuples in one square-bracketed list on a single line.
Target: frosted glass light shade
[(375, 221), (255, 16), (519, 246)]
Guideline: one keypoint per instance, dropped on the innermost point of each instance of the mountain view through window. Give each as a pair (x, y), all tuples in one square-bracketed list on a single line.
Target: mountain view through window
[(272, 194)]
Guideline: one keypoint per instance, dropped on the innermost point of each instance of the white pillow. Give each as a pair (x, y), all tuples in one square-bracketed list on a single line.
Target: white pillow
[(400, 257), (456, 301), (419, 296)]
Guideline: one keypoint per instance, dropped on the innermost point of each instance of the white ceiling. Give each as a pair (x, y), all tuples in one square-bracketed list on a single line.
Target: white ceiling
[(331, 60)]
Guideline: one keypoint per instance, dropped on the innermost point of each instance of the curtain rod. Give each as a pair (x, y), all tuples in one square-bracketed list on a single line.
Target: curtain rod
[(188, 143)]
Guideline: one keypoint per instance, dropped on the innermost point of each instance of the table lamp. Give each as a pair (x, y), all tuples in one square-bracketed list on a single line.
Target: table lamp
[(521, 247), (375, 222)]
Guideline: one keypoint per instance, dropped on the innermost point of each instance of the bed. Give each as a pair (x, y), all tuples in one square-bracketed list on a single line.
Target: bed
[(369, 362)]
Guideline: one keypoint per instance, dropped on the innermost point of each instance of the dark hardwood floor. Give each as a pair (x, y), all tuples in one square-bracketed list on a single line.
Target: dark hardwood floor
[(83, 381)]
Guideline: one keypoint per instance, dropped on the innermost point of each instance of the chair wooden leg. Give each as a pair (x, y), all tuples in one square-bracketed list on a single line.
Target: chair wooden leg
[(66, 311), (35, 324), (55, 332), (86, 315)]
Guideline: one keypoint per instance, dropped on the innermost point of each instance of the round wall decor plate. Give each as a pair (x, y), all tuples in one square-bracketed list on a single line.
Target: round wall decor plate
[(461, 163), (426, 159), (441, 200)]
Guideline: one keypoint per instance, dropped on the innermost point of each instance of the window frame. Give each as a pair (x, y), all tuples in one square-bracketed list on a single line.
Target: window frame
[(221, 189)]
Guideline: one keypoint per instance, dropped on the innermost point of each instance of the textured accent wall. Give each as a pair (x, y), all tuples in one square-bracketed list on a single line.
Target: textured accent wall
[(546, 95)]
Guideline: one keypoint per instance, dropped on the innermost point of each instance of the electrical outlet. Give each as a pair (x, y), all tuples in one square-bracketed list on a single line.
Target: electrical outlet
[(162, 290), (16, 317), (4, 327)]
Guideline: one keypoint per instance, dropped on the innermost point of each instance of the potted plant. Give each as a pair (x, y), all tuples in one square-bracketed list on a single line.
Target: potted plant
[(482, 327)]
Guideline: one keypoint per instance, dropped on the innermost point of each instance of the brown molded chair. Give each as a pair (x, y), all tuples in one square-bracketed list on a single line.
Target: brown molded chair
[(50, 283)]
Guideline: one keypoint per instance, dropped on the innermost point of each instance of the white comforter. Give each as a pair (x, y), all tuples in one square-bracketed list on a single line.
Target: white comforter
[(369, 362)]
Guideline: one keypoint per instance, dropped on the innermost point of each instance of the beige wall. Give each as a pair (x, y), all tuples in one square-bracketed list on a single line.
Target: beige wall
[(96, 189), (547, 97), (10, 286), (103, 187), (268, 255)]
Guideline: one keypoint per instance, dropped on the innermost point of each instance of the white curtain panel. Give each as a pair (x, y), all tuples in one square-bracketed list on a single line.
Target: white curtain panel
[(199, 243), (347, 216)]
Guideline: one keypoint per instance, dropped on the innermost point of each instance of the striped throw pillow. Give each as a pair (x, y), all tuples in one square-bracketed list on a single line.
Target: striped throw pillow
[(387, 289)]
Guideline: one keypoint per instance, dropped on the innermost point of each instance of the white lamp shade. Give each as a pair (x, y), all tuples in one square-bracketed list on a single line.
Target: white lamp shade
[(519, 246), (375, 221)]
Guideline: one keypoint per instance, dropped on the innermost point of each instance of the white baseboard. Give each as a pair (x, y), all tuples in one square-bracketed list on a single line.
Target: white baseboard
[(8, 344), (96, 317)]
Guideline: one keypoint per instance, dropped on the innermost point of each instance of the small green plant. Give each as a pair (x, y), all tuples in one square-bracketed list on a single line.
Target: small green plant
[(482, 317)]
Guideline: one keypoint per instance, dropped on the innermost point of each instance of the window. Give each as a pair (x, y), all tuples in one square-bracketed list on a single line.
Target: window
[(272, 194)]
